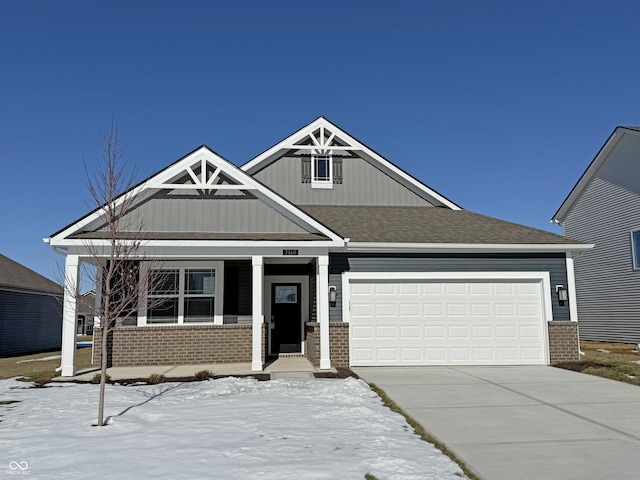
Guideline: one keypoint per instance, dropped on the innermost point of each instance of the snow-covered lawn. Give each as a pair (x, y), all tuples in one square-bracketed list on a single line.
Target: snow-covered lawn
[(227, 428)]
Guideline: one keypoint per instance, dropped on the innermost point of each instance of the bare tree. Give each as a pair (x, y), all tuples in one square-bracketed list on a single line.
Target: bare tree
[(117, 256)]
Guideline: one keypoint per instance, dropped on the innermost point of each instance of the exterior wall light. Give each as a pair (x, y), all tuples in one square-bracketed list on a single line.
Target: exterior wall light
[(333, 294), (562, 294)]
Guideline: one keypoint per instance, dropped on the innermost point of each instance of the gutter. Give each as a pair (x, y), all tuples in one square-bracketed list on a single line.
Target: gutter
[(467, 247)]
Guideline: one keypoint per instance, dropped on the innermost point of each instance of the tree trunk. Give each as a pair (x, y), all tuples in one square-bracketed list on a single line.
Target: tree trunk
[(103, 372)]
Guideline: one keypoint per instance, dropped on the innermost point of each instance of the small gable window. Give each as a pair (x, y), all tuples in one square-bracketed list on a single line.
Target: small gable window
[(321, 171), (635, 249)]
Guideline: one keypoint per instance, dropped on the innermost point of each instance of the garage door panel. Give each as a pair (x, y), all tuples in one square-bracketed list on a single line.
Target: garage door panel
[(410, 332), (457, 310), (412, 355), (361, 332), (383, 332), (409, 310), (439, 323), (481, 310)]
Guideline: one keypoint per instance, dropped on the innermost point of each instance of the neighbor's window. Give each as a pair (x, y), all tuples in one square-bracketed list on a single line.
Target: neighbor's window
[(322, 171), (183, 295), (635, 248)]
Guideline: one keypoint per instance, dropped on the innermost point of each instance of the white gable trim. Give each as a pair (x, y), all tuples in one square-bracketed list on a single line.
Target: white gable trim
[(595, 165), (204, 156), (290, 143)]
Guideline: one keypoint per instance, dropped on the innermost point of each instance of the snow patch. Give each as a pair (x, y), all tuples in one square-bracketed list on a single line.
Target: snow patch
[(225, 428)]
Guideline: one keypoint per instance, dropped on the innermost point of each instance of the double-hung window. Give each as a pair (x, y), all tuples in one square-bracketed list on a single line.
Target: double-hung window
[(322, 171), (183, 295)]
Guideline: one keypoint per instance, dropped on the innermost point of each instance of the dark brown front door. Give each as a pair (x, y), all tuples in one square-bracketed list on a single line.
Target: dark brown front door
[(286, 318)]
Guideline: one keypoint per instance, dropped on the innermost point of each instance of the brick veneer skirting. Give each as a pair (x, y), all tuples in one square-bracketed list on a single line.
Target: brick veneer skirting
[(338, 343), (178, 345), (563, 342)]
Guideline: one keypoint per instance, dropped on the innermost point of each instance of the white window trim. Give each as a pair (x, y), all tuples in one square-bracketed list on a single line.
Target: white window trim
[(217, 266), (315, 183), (633, 249)]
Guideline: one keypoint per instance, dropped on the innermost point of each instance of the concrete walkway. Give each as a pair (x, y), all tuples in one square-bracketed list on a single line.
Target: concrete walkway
[(284, 367), (523, 422)]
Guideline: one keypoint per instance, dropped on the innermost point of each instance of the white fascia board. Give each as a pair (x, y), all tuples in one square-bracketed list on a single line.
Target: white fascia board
[(205, 252), (590, 172), (60, 237), (282, 206), (288, 144), (155, 182), (100, 243), (465, 247)]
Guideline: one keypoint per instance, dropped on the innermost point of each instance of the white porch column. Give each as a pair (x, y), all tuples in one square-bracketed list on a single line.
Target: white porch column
[(322, 302), (571, 287), (258, 316), (69, 316)]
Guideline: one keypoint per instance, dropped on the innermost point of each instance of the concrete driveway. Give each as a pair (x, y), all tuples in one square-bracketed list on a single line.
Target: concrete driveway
[(527, 423)]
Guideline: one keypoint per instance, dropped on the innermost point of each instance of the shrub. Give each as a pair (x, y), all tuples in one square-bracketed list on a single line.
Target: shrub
[(156, 378), (96, 378), (203, 375)]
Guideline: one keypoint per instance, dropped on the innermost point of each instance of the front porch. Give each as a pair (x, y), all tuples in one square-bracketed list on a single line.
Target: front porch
[(249, 311)]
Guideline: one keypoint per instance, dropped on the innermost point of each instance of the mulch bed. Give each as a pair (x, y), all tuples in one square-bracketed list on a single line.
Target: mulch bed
[(342, 372)]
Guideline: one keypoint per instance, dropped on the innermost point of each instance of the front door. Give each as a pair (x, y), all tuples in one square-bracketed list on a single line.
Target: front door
[(286, 318)]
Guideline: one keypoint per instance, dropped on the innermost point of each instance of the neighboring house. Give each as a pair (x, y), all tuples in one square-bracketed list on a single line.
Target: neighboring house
[(30, 310), (604, 209), (321, 247), (86, 312)]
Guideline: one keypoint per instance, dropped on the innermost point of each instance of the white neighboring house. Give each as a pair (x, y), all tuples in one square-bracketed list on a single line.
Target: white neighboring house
[(320, 247), (603, 208)]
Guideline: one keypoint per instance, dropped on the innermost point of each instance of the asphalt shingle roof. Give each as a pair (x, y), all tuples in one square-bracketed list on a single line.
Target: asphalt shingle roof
[(426, 225), (13, 274)]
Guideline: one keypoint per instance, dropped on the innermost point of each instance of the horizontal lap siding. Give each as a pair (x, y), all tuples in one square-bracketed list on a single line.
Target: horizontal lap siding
[(29, 322), (607, 286), (555, 264)]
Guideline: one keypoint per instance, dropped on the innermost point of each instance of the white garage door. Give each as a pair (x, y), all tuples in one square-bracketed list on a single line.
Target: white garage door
[(446, 323)]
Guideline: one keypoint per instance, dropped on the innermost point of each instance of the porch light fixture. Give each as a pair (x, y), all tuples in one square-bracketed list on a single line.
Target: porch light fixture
[(562, 294), (333, 294)]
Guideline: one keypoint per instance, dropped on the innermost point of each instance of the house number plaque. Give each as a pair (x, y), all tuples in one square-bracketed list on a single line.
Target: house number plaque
[(289, 251)]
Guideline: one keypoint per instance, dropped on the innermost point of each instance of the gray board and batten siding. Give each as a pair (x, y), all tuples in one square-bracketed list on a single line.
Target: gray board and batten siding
[(29, 322), (362, 184), (554, 263), (608, 209), (169, 211)]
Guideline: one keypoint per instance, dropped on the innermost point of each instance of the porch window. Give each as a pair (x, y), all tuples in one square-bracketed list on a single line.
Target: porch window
[(182, 295)]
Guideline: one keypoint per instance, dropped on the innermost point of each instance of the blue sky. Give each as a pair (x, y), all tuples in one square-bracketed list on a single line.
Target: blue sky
[(498, 105)]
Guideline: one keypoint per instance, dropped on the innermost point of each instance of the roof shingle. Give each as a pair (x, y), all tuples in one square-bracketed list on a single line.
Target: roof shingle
[(381, 224)]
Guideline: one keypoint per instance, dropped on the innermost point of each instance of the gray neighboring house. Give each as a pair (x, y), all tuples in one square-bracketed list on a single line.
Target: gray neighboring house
[(30, 310), (320, 247), (603, 208)]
